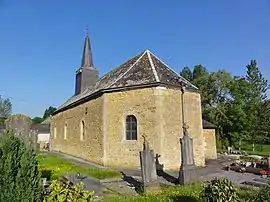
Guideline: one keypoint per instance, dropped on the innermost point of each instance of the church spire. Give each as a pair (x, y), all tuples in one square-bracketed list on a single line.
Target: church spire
[(87, 74), (87, 59)]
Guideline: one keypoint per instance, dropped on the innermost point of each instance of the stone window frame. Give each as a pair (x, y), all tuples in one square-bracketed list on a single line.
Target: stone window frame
[(82, 130), (55, 132), (130, 120), (65, 131)]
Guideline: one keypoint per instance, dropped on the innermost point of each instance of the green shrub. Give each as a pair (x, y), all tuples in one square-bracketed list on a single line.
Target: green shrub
[(19, 175), (222, 143), (263, 194), (247, 195), (63, 192), (220, 190)]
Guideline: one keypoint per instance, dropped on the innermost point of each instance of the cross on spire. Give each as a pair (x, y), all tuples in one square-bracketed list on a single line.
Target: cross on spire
[(87, 59), (86, 30)]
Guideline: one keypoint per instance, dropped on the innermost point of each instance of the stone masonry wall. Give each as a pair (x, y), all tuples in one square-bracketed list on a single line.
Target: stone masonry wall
[(120, 152), (172, 122), (90, 148), (158, 113), (210, 143)]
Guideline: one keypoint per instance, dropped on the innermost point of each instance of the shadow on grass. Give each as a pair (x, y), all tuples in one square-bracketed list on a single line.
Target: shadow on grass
[(46, 174), (184, 199)]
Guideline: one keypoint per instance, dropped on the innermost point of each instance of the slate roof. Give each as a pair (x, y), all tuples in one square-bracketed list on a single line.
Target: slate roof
[(47, 120), (208, 125), (143, 69), (42, 128)]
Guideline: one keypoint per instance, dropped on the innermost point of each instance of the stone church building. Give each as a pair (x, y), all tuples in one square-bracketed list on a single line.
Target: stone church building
[(106, 118)]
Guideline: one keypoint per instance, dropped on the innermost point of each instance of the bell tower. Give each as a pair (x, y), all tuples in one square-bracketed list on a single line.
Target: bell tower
[(87, 74)]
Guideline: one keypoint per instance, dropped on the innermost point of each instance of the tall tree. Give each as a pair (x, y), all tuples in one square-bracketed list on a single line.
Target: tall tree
[(236, 125), (5, 107), (187, 74), (258, 87), (48, 112)]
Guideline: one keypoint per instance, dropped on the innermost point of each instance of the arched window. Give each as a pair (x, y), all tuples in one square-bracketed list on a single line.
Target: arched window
[(54, 132), (131, 128), (82, 132), (65, 131)]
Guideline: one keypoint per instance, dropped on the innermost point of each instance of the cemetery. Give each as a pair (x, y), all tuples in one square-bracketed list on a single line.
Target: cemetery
[(247, 174)]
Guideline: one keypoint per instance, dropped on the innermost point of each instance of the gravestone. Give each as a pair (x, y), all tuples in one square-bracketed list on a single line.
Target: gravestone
[(21, 125), (33, 137), (187, 172), (148, 169)]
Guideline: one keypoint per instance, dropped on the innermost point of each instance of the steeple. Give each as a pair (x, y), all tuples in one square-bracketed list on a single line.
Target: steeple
[(87, 59), (87, 74)]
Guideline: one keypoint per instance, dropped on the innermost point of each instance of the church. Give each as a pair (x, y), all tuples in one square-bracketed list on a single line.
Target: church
[(106, 118)]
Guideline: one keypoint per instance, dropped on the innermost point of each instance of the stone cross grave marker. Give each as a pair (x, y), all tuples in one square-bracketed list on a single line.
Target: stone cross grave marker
[(187, 172), (148, 168)]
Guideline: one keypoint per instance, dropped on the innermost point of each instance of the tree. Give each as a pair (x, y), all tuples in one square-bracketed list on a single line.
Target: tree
[(19, 175), (37, 120), (237, 118), (48, 112), (187, 74), (5, 107), (258, 87)]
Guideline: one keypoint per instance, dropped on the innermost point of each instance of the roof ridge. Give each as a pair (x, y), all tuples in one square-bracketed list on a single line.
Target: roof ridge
[(128, 69), (152, 66), (172, 70)]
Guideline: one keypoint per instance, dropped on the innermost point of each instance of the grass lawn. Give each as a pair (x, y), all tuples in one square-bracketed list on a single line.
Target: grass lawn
[(53, 167), (188, 193), (262, 150)]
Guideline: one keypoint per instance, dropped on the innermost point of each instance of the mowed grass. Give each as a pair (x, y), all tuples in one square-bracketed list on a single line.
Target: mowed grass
[(188, 193), (263, 150), (53, 167)]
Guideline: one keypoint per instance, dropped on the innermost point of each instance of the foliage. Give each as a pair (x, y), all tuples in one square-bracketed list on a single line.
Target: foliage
[(5, 107), (2, 120), (62, 192), (220, 190), (53, 167), (188, 193), (19, 175), (48, 112), (263, 194), (236, 105), (37, 120)]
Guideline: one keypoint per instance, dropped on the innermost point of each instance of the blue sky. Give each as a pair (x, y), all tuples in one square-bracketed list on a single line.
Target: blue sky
[(41, 41)]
